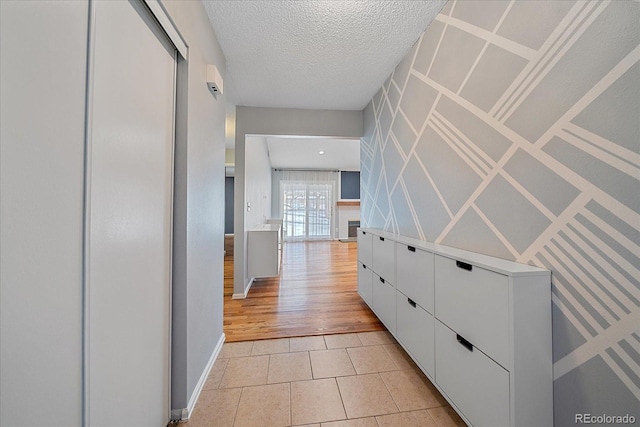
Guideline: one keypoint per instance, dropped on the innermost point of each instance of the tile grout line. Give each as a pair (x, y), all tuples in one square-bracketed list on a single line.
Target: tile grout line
[(290, 406), (344, 408), (266, 380)]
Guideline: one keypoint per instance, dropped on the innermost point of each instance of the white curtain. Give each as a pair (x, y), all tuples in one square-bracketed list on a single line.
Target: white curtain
[(306, 203)]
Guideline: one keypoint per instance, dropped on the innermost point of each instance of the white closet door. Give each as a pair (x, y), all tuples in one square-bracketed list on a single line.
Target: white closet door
[(130, 170)]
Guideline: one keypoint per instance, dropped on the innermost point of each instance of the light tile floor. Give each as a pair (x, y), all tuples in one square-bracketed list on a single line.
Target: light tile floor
[(349, 380)]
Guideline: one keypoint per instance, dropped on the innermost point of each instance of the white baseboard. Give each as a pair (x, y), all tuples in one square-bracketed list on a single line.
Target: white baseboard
[(246, 291), (203, 378)]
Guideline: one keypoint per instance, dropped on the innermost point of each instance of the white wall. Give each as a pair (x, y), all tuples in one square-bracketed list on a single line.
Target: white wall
[(198, 215), (278, 121), (43, 69), (257, 181)]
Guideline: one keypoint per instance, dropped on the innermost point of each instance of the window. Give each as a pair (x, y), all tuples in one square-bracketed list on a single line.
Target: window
[(307, 210), (306, 203)]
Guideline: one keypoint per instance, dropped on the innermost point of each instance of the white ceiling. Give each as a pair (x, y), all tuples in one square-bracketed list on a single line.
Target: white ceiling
[(304, 153), (319, 54)]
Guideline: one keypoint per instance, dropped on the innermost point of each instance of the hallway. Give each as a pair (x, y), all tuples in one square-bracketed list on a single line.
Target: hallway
[(316, 294), (358, 380)]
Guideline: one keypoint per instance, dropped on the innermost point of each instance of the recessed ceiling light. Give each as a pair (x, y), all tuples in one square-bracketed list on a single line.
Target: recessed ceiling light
[(321, 152)]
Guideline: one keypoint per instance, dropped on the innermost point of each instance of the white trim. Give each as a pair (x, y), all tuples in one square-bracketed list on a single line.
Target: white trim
[(171, 228), (167, 25), (246, 291), (203, 379)]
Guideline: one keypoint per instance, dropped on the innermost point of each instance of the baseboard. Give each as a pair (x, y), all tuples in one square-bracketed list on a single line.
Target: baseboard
[(246, 291), (186, 412)]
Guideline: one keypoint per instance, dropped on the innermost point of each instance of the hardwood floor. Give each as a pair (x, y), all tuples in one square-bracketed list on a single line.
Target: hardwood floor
[(316, 294), (228, 265)]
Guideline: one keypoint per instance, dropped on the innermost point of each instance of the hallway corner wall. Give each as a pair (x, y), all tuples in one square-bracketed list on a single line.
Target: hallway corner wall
[(199, 193)]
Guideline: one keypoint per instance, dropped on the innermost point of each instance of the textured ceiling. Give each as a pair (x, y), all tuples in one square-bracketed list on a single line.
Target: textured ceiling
[(304, 153), (324, 54)]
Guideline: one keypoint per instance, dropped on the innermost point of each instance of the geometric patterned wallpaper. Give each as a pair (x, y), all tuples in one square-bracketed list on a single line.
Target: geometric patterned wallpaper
[(512, 129)]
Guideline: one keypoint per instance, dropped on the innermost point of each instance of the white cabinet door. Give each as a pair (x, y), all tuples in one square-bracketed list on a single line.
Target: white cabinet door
[(414, 274), (384, 302), (365, 247), (415, 330), (384, 258), (477, 385), (365, 283), (475, 303), (130, 184)]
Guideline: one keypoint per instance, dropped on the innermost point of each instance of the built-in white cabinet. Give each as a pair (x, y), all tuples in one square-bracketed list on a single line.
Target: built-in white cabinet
[(264, 251), (384, 302), (414, 274), (466, 293), (377, 285), (365, 283), (414, 330), (473, 382), (384, 258), (365, 247), (478, 326)]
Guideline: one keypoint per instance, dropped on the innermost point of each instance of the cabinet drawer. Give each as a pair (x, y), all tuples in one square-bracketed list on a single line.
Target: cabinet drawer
[(365, 282), (477, 385), (384, 258), (474, 302), (415, 330), (364, 247), (414, 275), (384, 302)]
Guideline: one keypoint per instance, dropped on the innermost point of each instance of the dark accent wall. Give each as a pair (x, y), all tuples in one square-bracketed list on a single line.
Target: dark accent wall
[(228, 205), (350, 185)]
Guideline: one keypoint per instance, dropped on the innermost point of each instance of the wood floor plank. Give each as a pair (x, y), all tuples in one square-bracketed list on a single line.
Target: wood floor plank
[(315, 294), (228, 265)]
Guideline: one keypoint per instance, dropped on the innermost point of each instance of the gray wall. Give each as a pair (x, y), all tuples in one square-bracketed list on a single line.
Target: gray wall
[(228, 205), (278, 121), (199, 221), (43, 76), (511, 129)]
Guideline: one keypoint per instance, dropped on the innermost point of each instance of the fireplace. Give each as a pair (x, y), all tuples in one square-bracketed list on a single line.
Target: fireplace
[(353, 228)]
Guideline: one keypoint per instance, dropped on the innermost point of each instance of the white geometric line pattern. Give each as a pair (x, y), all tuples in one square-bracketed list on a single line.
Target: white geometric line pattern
[(547, 174)]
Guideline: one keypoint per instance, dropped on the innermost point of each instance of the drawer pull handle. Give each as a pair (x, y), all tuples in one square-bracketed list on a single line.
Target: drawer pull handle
[(466, 344), (364, 232), (381, 239), (411, 302), (464, 265), (411, 248), (381, 280), (364, 266)]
